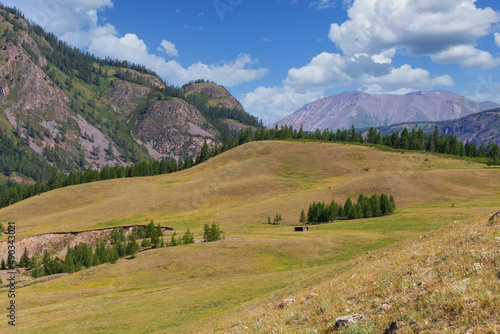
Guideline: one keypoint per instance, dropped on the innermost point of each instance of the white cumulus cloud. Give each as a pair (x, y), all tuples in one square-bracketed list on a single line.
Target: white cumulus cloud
[(446, 31), (417, 27), (169, 48), (131, 48), (273, 103), (497, 39)]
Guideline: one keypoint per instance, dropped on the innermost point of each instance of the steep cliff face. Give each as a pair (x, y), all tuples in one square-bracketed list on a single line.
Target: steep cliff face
[(40, 111), (366, 110), (78, 111), (173, 128)]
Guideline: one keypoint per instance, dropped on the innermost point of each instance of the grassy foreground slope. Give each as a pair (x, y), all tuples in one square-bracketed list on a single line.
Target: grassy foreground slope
[(194, 287)]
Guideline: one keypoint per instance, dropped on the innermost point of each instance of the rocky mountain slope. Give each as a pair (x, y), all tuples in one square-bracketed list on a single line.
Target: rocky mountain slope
[(366, 110), (483, 126), (78, 111)]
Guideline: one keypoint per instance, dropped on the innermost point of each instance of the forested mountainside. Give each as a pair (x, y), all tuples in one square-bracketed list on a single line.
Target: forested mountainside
[(67, 109), (475, 128), (366, 110)]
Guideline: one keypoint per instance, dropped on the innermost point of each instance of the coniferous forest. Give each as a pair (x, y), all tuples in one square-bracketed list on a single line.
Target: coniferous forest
[(365, 207)]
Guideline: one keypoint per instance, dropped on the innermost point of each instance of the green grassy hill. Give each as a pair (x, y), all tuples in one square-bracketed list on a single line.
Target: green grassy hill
[(200, 287)]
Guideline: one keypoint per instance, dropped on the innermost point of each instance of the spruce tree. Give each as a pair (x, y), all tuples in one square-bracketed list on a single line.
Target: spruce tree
[(3, 266), (188, 237), (25, 260), (347, 212), (385, 205), (113, 257), (302, 218), (132, 246), (173, 241), (47, 263), (37, 270), (375, 205), (69, 263), (146, 243)]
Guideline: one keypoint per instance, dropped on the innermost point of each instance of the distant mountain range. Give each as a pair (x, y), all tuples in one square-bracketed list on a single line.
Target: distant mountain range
[(483, 126), (366, 110)]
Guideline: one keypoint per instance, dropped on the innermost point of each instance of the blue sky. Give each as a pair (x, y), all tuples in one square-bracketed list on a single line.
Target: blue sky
[(277, 55)]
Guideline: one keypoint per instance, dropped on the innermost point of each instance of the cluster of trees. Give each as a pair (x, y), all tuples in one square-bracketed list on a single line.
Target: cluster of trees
[(19, 160), (212, 233), (84, 255), (132, 77), (365, 207), (417, 140)]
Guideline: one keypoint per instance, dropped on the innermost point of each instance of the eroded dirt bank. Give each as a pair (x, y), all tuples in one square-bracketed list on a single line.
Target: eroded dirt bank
[(57, 243)]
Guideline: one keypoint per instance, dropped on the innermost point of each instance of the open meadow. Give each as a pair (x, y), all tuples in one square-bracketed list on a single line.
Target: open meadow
[(206, 287)]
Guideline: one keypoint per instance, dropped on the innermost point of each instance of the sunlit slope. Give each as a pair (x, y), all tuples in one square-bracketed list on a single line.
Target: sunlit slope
[(193, 288), (245, 185)]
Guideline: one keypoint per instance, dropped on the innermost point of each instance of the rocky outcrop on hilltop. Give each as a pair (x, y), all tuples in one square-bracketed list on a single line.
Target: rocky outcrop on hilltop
[(218, 96), (173, 128)]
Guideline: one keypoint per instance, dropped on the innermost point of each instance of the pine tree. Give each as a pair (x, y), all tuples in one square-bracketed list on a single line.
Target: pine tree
[(25, 260), (385, 205), (132, 246), (69, 263), (173, 241), (347, 212), (302, 218), (188, 237), (37, 270), (47, 263), (3, 266), (212, 233)]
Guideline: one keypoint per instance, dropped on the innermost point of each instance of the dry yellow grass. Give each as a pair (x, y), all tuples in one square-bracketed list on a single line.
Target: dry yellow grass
[(244, 185), (185, 288), (445, 281)]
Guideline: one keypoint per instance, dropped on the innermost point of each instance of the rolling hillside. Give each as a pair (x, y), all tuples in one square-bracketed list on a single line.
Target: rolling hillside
[(205, 286)]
